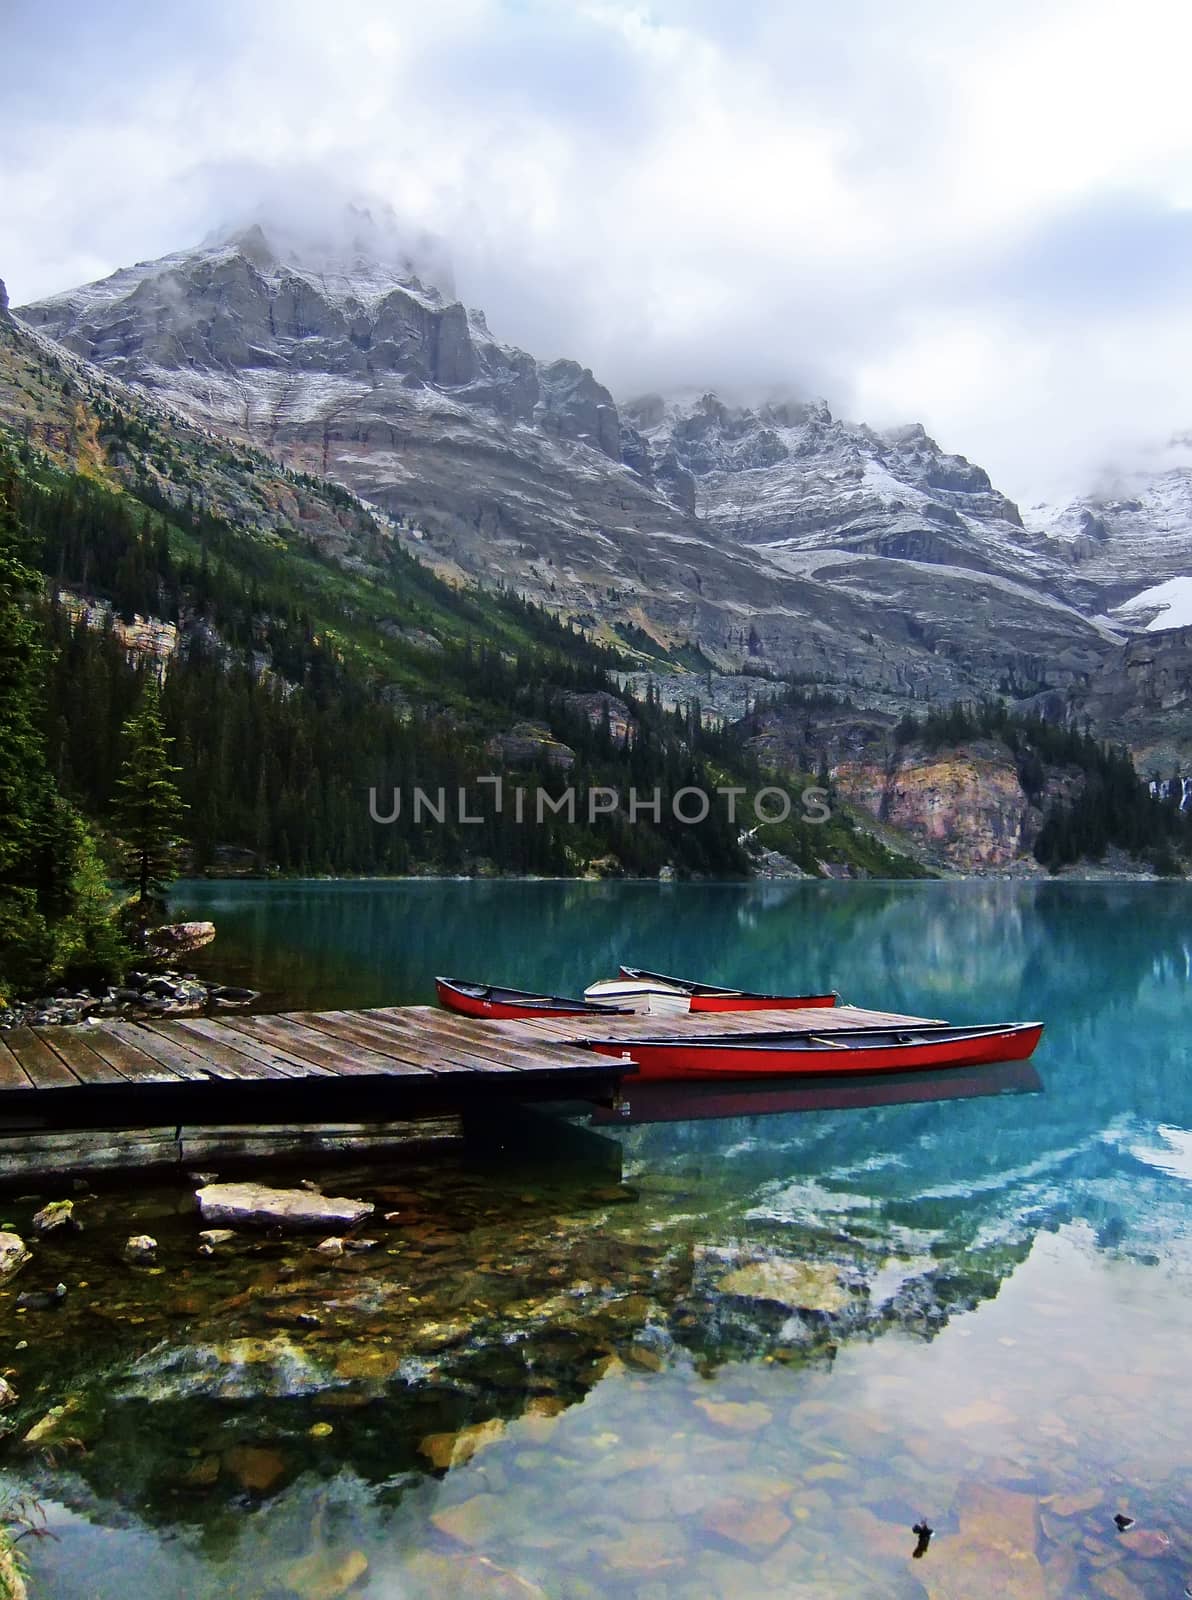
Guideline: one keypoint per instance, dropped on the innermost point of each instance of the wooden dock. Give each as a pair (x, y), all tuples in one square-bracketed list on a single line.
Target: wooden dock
[(282, 1069), (376, 1064)]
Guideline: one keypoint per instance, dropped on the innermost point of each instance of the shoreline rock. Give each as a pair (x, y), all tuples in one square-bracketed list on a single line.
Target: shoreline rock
[(142, 994), (263, 1206)]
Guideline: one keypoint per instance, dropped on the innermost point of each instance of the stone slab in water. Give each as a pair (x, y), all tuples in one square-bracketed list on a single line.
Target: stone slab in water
[(294, 1208)]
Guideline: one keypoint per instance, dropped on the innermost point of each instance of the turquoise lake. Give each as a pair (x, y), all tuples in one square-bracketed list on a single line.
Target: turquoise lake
[(687, 1358)]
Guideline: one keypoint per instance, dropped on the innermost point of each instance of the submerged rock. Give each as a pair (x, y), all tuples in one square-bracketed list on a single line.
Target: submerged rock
[(58, 1214), (140, 1250), (294, 1208), (751, 1528), (14, 1253), (444, 1450), (235, 1369), (1149, 1543), (323, 1575), (1072, 1505), (797, 1285), (55, 1426), (471, 1522), (42, 1299), (254, 1467), (737, 1416), (214, 1237), (994, 1550)]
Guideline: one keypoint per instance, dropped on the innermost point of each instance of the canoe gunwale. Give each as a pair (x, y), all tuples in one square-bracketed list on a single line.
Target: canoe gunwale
[(495, 1000)]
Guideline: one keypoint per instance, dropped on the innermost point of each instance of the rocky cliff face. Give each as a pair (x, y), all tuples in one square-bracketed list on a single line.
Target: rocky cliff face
[(964, 808), (779, 539), (62, 404), (1144, 698)]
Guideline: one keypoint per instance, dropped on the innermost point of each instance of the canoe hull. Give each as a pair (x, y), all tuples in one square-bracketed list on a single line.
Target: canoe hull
[(489, 1006), (674, 1060), (760, 1002)]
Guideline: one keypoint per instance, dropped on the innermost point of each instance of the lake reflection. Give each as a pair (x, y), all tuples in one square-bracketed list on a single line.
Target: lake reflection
[(744, 1367)]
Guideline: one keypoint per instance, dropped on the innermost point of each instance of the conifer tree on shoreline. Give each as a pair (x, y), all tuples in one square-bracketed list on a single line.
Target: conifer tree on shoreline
[(54, 911), (147, 812)]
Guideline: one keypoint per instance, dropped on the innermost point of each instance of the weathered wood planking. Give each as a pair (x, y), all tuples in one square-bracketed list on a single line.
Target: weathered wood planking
[(810, 1019), (44, 1069), (12, 1073), (369, 1065)]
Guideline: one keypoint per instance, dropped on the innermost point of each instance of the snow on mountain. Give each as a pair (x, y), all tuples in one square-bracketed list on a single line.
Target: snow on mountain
[(791, 476), (1166, 605), (777, 537), (1137, 529)]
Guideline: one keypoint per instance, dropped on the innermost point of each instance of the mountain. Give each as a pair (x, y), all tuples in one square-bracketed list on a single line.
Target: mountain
[(309, 657), (1129, 543), (777, 539)]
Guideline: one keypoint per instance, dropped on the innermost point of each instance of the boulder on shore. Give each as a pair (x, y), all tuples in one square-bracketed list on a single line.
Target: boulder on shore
[(292, 1208), (180, 938)]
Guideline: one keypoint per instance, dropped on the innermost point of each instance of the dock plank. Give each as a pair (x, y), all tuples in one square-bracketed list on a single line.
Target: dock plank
[(12, 1073), (306, 1043), (71, 1046), (481, 1038), (433, 1052), (219, 1034), (745, 1024), (127, 1058), (438, 1052), (210, 1055), (469, 1044), (44, 1069), (348, 1028), (155, 1057)]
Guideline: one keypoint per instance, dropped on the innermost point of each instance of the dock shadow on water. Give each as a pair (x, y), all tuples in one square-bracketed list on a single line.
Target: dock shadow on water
[(740, 1354)]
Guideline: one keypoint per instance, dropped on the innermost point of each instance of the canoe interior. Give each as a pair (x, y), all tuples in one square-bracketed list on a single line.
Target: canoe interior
[(717, 997), (683, 985)]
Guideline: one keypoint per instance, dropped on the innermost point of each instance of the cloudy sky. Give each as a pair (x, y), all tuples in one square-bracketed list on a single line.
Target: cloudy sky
[(975, 215)]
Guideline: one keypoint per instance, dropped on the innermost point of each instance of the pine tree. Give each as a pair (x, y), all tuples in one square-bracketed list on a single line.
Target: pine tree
[(25, 787), (53, 902), (147, 811)]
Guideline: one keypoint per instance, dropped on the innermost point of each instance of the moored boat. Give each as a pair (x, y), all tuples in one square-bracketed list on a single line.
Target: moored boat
[(839, 1050), (491, 1001), (657, 992)]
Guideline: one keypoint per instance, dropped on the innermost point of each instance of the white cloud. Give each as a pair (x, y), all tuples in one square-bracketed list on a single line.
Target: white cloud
[(976, 216)]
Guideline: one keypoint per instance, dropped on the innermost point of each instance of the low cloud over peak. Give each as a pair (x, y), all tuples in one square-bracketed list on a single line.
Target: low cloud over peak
[(977, 220)]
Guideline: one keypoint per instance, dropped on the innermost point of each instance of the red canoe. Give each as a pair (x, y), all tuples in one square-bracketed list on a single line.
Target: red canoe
[(771, 1055), (487, 1000), (714, 997)]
